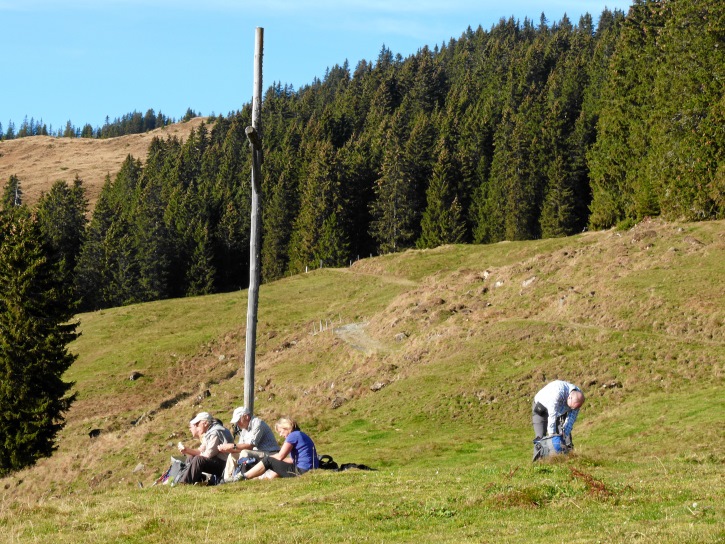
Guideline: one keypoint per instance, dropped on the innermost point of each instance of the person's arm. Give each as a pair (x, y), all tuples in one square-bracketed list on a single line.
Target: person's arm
[(230, 447), (569, 424), (283, 453), (552, 409), (191, 452)]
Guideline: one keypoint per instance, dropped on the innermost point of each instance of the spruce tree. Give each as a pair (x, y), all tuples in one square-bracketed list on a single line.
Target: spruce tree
[(231, 202), (319, 198), (62, 220), (357, 179), (200, 274), (617, 160), (35, 330), (92, 270), (151, 242), (332, 249), (442, 221), (392, 226), (277, 221), (688, 141), (12, 194)]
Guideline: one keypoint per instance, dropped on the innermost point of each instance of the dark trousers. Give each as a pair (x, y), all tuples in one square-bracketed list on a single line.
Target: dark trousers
[(198, 464), (283, 470), (540, 419)]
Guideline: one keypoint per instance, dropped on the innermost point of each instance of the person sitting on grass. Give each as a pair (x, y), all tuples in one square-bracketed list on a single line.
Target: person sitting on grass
[(297, 455), (208, 458), (256, 440)]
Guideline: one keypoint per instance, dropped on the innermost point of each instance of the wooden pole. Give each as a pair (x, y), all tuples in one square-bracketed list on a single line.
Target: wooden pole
[(255, 142)]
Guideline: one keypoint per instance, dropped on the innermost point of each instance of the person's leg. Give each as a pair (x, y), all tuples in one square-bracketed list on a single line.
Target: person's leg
[(200, 464), (539, 421), (193, 472), (253, 453), (255, 472), (281, 468), (230, 465), (214, 466), (269, 475)]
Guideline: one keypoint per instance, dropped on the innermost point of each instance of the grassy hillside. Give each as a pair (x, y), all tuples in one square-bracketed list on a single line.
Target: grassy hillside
[(425, 371), (40, 161)]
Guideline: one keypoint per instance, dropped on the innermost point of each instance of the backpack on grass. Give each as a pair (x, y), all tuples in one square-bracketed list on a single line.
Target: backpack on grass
[(550, 445), (243, 465), (326, 462), (173, 473)]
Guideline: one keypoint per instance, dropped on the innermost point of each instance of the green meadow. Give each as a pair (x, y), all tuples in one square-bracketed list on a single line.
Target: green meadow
[(421, 365)]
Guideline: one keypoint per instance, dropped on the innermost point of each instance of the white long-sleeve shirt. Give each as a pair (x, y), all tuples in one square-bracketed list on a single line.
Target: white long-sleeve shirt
[(553, 397)]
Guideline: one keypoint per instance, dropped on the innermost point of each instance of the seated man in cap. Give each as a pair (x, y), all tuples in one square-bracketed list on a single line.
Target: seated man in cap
[(256, 439), (209, 457)]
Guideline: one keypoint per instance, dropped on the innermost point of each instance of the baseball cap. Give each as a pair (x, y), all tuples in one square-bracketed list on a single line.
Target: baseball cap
[(201, 416), (238, 413)]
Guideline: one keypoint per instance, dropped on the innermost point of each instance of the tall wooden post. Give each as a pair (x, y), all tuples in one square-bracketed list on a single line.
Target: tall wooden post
[(255, 236)]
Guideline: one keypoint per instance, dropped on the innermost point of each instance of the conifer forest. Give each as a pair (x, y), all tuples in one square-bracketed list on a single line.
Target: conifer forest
[(527, 130)]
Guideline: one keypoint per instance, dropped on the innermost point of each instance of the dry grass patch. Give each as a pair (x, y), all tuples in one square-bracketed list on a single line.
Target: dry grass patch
[(40, 161)]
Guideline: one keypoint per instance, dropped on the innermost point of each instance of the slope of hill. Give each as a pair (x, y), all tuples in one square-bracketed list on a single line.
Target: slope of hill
[(422, 365), (40, 161)]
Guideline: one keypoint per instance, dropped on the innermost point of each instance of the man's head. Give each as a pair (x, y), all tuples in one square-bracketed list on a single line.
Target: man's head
[(575, 400), (200, 424), (241, 417)]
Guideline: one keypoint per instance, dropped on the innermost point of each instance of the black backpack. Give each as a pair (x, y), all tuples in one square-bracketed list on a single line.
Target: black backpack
[(326, 462)]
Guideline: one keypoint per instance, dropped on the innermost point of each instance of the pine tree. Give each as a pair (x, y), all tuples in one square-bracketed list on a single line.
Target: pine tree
[(393, 212), (442, 221), (62, 220), (12, 194), (688, 141), (200, 275), (35, 330), (319, 199), (617, 160)]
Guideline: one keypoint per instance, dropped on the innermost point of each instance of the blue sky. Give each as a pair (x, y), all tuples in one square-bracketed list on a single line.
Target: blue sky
[(83, 60)]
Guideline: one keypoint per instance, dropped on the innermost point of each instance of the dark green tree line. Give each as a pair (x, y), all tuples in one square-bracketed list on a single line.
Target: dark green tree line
[(36, 308), (522, 131)]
